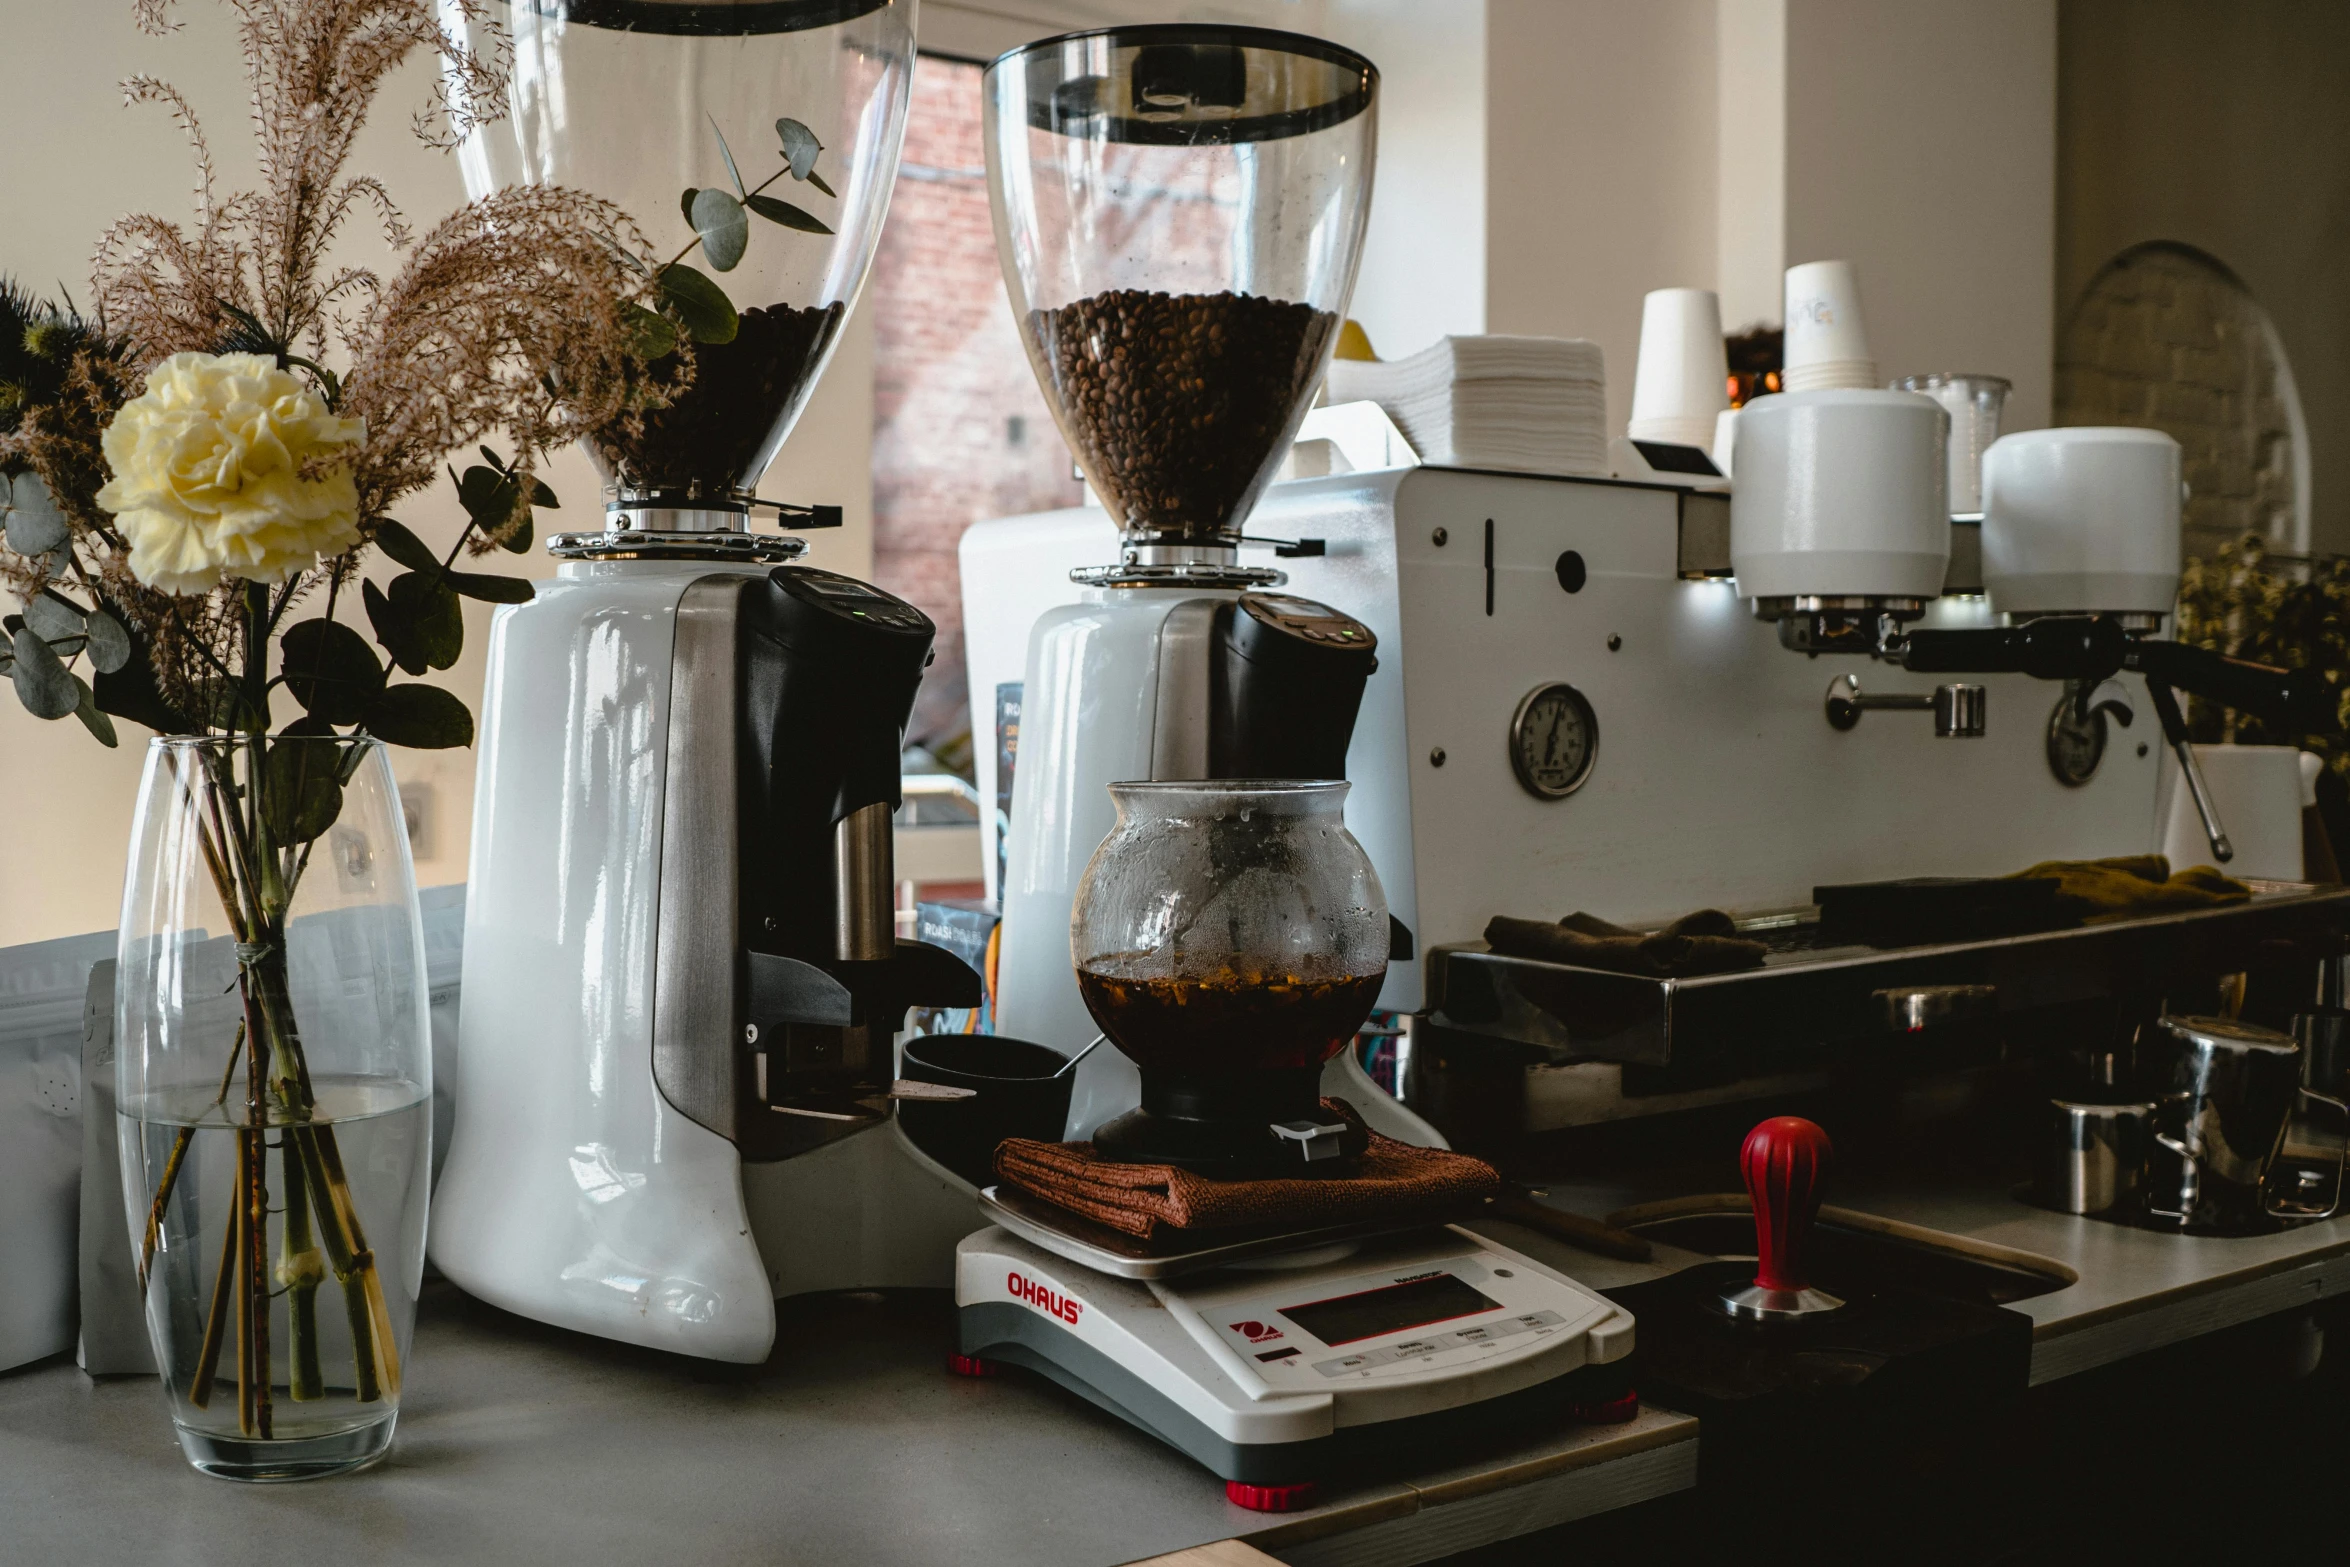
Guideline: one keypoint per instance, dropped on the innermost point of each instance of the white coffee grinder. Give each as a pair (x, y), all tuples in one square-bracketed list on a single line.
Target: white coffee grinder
[(1179, 211), (680, 965)]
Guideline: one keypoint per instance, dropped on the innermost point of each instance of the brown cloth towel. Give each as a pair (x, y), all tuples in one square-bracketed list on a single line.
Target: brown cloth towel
[(1706, 942), (1142, 1199), (2134, 884)]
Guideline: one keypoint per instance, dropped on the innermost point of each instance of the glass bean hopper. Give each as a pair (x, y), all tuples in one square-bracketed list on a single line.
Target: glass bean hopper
[(755, 144), (1179, 211)]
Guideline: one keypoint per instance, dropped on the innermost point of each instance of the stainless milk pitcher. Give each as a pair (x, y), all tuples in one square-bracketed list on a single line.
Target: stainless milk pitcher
[(2228, 1091)]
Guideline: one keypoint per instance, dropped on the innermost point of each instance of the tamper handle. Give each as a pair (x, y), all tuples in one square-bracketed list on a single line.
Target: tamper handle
[(1784, 1161)]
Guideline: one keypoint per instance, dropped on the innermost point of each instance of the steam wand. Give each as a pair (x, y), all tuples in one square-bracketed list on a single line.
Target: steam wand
[(2174, 730)]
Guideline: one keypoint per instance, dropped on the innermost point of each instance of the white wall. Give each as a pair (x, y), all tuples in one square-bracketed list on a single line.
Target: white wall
[(1423, 274), (1921, 144), (2226, 128), (1713, 143), (1600, 173), (77, 159)]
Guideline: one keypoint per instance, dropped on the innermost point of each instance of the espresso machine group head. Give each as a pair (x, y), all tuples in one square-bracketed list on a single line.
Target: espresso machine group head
[(1838, 532)]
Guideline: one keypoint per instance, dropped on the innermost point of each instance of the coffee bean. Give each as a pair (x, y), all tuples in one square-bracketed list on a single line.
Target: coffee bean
[(1177, 405), (712, 436)]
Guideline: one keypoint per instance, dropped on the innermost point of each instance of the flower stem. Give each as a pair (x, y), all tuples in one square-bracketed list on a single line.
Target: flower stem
[(248, 1417), (372, 1344), (254, 1371), (299, 1270), (216, 1320), (171, 1167)]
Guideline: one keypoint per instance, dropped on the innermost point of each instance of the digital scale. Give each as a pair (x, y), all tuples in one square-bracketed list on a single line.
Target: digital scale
[(1279, 1359)]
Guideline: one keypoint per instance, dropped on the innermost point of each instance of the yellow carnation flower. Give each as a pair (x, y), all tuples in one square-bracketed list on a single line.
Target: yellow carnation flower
[(208, 480)]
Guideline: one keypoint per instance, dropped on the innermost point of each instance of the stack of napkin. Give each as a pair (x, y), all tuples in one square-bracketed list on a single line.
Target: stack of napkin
[(1525, 404)]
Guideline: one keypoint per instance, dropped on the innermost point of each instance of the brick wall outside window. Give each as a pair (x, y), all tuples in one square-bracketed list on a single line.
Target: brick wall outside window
[(960, 432)]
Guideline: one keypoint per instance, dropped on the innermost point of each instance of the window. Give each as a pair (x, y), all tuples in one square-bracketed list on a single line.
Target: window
[(960, 432)]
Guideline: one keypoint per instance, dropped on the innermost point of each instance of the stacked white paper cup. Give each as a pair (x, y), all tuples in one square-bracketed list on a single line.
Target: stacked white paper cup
[(1827, 345), (1682, 381)]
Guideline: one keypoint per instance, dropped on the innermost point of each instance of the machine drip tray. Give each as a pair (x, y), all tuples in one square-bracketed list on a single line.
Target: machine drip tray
[(1809, 990)]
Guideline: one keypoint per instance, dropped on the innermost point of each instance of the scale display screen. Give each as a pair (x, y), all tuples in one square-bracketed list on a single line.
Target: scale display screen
[(1433, 1297)]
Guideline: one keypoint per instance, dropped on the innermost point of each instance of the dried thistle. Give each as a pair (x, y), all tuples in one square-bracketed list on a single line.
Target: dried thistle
[(517, 317)]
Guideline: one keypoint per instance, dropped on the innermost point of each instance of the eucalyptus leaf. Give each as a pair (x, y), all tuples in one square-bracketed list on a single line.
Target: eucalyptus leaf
[(7, 656), (652, 333), (800, 147), (422, 717), (42, 684), (131, 692), (789, 216), (52, 619), (400, 544), (701, 306), (685, 202), (493, 459), (517, 535), (247, 335), (330, 669), (300, 792), (399, 640), (488, 588), (727, 153), (817, 180), (108, 644), (94, 720), (35, 525), (433, 615), (540, 495), (486, 494), (719, 219)]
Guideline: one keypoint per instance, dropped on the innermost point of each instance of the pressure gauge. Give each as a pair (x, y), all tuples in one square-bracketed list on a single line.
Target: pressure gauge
[(1554, 739)]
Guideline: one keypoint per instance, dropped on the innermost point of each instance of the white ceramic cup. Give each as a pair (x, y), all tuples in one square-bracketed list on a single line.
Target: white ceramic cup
[(1823, 315), (2256, 789), (1682, 378)]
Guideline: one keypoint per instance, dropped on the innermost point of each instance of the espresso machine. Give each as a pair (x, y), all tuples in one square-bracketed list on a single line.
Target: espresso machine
[(1638, 699), (682, 980)]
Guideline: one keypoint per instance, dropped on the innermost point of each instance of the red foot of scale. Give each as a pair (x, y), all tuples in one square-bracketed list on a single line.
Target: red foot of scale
[(1610, 1412), (1271, 1498), (972, 1366)]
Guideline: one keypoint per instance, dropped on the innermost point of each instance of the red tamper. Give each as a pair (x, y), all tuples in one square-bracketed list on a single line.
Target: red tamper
[(1784, 1161)]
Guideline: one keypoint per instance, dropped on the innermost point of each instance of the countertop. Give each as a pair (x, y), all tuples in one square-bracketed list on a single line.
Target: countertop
[(521, 1444)]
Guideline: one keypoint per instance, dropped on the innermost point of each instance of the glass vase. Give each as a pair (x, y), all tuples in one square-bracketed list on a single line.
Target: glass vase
[(274, 1073)]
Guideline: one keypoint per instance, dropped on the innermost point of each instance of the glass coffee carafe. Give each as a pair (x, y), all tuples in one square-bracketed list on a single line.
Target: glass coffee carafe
[(1229, 937)]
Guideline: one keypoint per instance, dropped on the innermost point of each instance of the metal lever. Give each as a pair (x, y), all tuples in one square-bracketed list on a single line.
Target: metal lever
[(2174, 730), (1959, 711)]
